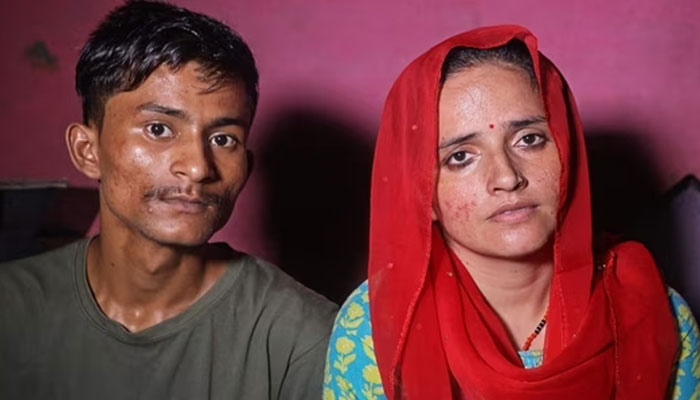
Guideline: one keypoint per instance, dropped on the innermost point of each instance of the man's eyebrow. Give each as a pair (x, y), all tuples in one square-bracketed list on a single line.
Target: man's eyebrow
[(180, 114), (158, 108), (522, 123), (457, 140), (227, 121)]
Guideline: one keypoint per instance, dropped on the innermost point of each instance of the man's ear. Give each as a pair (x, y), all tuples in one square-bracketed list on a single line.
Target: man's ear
[(83, 146)]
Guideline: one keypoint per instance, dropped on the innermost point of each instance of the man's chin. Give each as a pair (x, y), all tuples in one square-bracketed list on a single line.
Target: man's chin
[(180, 240)]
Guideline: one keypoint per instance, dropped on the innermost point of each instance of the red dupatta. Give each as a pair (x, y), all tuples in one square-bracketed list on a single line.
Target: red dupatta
[(609, 335)]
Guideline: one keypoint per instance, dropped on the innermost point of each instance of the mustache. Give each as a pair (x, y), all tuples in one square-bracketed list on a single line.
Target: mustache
[(167, 192)]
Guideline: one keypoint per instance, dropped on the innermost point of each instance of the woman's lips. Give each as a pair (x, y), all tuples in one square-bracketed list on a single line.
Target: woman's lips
[(513, 213)]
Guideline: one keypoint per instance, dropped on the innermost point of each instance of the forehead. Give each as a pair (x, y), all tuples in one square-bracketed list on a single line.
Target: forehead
[(488, 92), (185, 89)]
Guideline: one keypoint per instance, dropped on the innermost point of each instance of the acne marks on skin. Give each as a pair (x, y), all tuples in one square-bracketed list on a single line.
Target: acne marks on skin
[(491, 126), (466, 209)]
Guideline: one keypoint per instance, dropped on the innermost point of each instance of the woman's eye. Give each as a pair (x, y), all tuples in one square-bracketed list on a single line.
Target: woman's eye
[(158, 130), (531, 140), (459, 158), (223, 140)]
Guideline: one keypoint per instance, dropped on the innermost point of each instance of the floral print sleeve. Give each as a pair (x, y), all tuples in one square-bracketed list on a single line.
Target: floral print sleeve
[(688, 373), (351, 368)]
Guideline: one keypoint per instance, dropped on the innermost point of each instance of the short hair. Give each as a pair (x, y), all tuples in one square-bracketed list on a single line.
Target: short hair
[(139, 36), (513, 53)]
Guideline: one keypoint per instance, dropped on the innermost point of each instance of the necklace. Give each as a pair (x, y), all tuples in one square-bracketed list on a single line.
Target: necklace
[(536, 332)]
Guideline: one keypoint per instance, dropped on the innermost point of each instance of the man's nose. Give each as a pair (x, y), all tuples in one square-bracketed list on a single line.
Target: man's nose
[(193, 160)]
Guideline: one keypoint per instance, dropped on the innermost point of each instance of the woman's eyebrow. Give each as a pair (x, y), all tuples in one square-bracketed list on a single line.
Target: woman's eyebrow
[(509, 125), (457, 140), (522, 123)]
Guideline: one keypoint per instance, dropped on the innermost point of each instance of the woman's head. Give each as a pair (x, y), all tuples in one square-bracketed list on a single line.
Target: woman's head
[(422, 298), (513, 54), (498, 165), (404, 244)]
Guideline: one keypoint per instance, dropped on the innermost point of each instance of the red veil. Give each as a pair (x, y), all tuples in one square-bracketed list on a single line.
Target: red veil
[(610, 332)]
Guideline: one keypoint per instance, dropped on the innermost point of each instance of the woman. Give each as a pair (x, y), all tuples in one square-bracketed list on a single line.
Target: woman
[(482, 279)]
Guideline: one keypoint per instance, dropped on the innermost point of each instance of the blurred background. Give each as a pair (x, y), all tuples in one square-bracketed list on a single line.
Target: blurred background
[(326, 67)]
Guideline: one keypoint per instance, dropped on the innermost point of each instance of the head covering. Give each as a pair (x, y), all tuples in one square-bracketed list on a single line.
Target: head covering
[(610, 332)]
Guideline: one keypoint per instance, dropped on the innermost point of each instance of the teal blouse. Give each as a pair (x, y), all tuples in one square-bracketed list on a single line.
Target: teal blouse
[(351, 367)]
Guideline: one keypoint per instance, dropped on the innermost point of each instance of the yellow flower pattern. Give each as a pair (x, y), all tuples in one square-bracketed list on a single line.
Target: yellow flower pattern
[(352, 318), (688, 374), (344, 345), (328, 394), (351, 374)]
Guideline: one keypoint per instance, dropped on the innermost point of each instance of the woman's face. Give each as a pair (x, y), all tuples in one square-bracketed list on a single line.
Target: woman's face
[(498, 173)]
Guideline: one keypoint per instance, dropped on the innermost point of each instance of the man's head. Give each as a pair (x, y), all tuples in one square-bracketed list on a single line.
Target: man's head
[(140, 36), (168, 100)]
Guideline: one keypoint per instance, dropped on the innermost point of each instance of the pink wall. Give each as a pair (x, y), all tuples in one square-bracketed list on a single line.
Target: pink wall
[(634, 67)]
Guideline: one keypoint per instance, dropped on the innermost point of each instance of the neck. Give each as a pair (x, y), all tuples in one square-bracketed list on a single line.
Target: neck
[(140, 283), (517, 290)]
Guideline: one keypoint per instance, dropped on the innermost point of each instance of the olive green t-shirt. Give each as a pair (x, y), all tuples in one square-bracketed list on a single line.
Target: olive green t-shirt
[(256, 334)]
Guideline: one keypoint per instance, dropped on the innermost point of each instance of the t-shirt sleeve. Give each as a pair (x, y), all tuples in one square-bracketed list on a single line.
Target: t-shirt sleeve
[(351, 367), (298, 340), (303, 381), (688, 372)]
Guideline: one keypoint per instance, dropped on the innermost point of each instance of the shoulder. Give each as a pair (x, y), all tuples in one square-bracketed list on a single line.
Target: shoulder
[(689, 335), (351, 365), (40, 276), (293, 316), (353, 317), (44, 262), (272, 288), (352, 331), (31, 290), (687, 384)]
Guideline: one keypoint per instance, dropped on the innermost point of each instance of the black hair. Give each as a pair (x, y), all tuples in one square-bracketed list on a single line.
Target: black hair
[(513, 53), (139, 36)]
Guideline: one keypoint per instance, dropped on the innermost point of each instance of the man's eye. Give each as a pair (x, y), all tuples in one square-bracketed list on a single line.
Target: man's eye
[(531, 140), (223, 141), (158, 130)]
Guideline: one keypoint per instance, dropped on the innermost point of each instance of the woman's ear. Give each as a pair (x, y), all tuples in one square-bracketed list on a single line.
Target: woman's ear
[(83, 146)]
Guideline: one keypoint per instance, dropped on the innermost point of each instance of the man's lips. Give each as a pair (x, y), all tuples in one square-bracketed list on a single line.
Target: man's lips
[(514, 212), (182, 199), (186, 204)]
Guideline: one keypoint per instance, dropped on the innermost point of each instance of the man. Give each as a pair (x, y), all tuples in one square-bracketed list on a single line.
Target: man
[(148, 309)]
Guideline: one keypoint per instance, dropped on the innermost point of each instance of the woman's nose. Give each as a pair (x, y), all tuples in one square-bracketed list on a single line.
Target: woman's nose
[(505, 174)]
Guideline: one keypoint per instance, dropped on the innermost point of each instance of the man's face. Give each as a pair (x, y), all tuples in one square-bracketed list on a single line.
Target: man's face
[(172, 157)]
